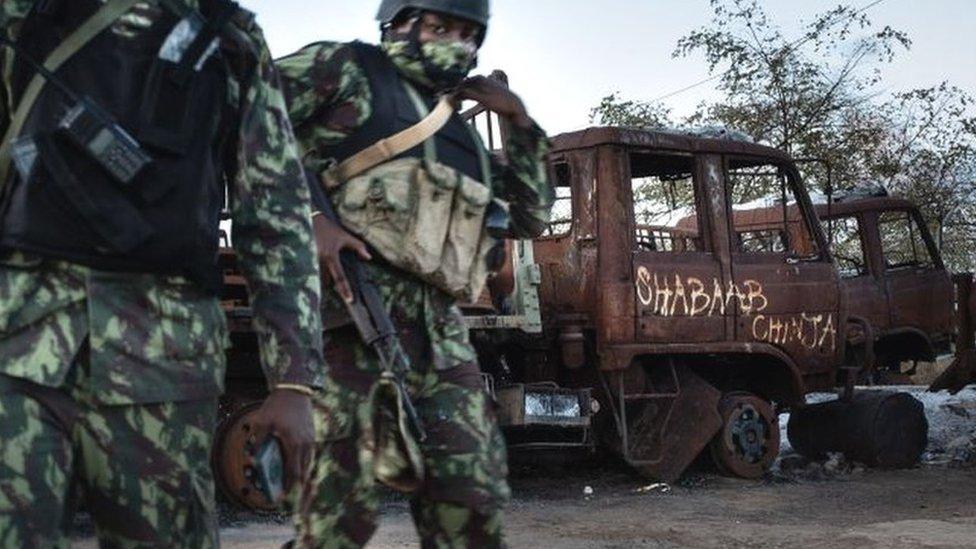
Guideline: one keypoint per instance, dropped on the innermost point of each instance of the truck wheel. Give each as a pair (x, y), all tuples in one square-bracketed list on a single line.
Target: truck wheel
[(233, 465), (748, 443)]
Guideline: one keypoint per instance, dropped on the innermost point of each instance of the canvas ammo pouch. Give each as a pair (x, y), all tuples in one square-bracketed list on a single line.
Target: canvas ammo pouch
[(422, 216)]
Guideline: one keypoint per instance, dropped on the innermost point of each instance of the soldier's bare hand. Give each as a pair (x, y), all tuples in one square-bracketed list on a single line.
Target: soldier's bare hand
[(287, 416), (496, 97), (331, 240)]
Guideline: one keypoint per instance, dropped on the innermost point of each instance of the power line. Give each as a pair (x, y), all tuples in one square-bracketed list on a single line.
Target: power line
[(688, 88), (789, 47)]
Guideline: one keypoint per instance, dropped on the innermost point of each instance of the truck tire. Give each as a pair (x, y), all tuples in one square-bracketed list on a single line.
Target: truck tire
[(748, 443), (233, 465)]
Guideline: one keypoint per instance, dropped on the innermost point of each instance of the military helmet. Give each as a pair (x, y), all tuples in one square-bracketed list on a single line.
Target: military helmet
[(472, 10)]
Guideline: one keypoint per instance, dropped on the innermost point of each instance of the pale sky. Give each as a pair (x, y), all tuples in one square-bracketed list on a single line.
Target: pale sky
[(562, 56)]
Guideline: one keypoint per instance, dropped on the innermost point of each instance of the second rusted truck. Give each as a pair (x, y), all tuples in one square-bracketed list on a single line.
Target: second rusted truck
[(899, 292)]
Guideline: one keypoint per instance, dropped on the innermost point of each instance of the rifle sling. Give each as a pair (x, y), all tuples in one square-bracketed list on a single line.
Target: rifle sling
[(386, 149)]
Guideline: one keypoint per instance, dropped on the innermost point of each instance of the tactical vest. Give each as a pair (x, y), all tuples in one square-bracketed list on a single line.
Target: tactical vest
[(394, 111), (62, 204), (428, 211)]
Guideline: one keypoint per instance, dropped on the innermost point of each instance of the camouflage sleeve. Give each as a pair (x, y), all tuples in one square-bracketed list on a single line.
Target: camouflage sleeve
[(523, 181), (272, 232), (12, 13), (328, 97)]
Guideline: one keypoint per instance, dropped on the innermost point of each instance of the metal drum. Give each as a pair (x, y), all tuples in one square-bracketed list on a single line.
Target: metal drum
[(878, 428)]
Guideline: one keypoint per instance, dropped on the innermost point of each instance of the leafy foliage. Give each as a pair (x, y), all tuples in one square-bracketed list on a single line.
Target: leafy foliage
[(613, 111), (929, 156)]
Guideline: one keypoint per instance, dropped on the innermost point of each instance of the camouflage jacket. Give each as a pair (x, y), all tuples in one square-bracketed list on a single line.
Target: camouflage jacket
[(329, 98), (158, 338)]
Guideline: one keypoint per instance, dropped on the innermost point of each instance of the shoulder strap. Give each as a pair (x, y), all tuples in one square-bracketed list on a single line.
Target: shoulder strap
[(92, 27), (423, 111), (386, 149)]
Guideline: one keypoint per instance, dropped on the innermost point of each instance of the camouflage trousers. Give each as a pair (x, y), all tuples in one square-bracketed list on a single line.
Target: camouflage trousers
[(460, 501), (143, 471)]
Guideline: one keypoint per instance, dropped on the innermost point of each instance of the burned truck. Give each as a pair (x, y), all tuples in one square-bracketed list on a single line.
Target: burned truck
[(650, 319), (688, 339)]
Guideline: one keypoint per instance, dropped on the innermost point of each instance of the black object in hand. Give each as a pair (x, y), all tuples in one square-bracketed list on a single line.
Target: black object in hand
[(269, 469)]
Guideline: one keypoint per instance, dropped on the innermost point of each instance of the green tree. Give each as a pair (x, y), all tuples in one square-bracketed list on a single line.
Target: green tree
[(614, 111), (928, 155), (806, 95)]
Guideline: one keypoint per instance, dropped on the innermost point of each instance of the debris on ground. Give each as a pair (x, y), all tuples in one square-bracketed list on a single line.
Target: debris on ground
[(962, 409), (793, 467), (660, 487), (960, 452), (693, 481)]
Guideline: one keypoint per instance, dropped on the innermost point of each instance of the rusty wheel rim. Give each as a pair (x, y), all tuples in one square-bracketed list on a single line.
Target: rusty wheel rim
[(749, 440), (232, 463)]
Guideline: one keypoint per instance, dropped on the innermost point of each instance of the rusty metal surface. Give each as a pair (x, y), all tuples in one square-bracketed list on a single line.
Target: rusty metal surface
[(661, 141), (911, 309), (911, 306), (861, 205), (725, 319), (962, 371), (657, 300), (664, 431)]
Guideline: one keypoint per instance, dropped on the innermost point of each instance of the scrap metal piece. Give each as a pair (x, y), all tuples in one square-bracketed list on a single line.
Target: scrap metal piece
[(671, 430), (962, 371), (958, 375)]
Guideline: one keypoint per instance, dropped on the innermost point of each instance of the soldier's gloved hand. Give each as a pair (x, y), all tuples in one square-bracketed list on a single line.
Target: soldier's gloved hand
[(496, 97), (331, 240), (287, 416)]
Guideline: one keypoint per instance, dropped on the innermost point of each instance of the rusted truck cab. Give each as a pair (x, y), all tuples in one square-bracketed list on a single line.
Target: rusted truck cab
[(894, 278), (688, 329)]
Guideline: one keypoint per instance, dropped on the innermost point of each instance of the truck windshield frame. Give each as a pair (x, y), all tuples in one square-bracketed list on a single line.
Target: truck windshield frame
[(774, 215)]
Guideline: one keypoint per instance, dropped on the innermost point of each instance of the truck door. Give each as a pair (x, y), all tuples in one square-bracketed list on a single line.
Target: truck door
[(850, 236), (920, 291), (678, 276), (785, 289)]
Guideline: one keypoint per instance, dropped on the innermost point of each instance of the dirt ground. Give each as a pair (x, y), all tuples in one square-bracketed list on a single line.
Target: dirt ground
[(600, 503), (926, 507)]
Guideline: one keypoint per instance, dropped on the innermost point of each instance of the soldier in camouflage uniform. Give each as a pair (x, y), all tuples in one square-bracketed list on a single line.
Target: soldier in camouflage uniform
[(109, 380), (330, 97)]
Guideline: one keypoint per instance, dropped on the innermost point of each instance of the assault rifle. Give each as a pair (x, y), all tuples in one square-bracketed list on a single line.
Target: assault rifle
[(370, 315)]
